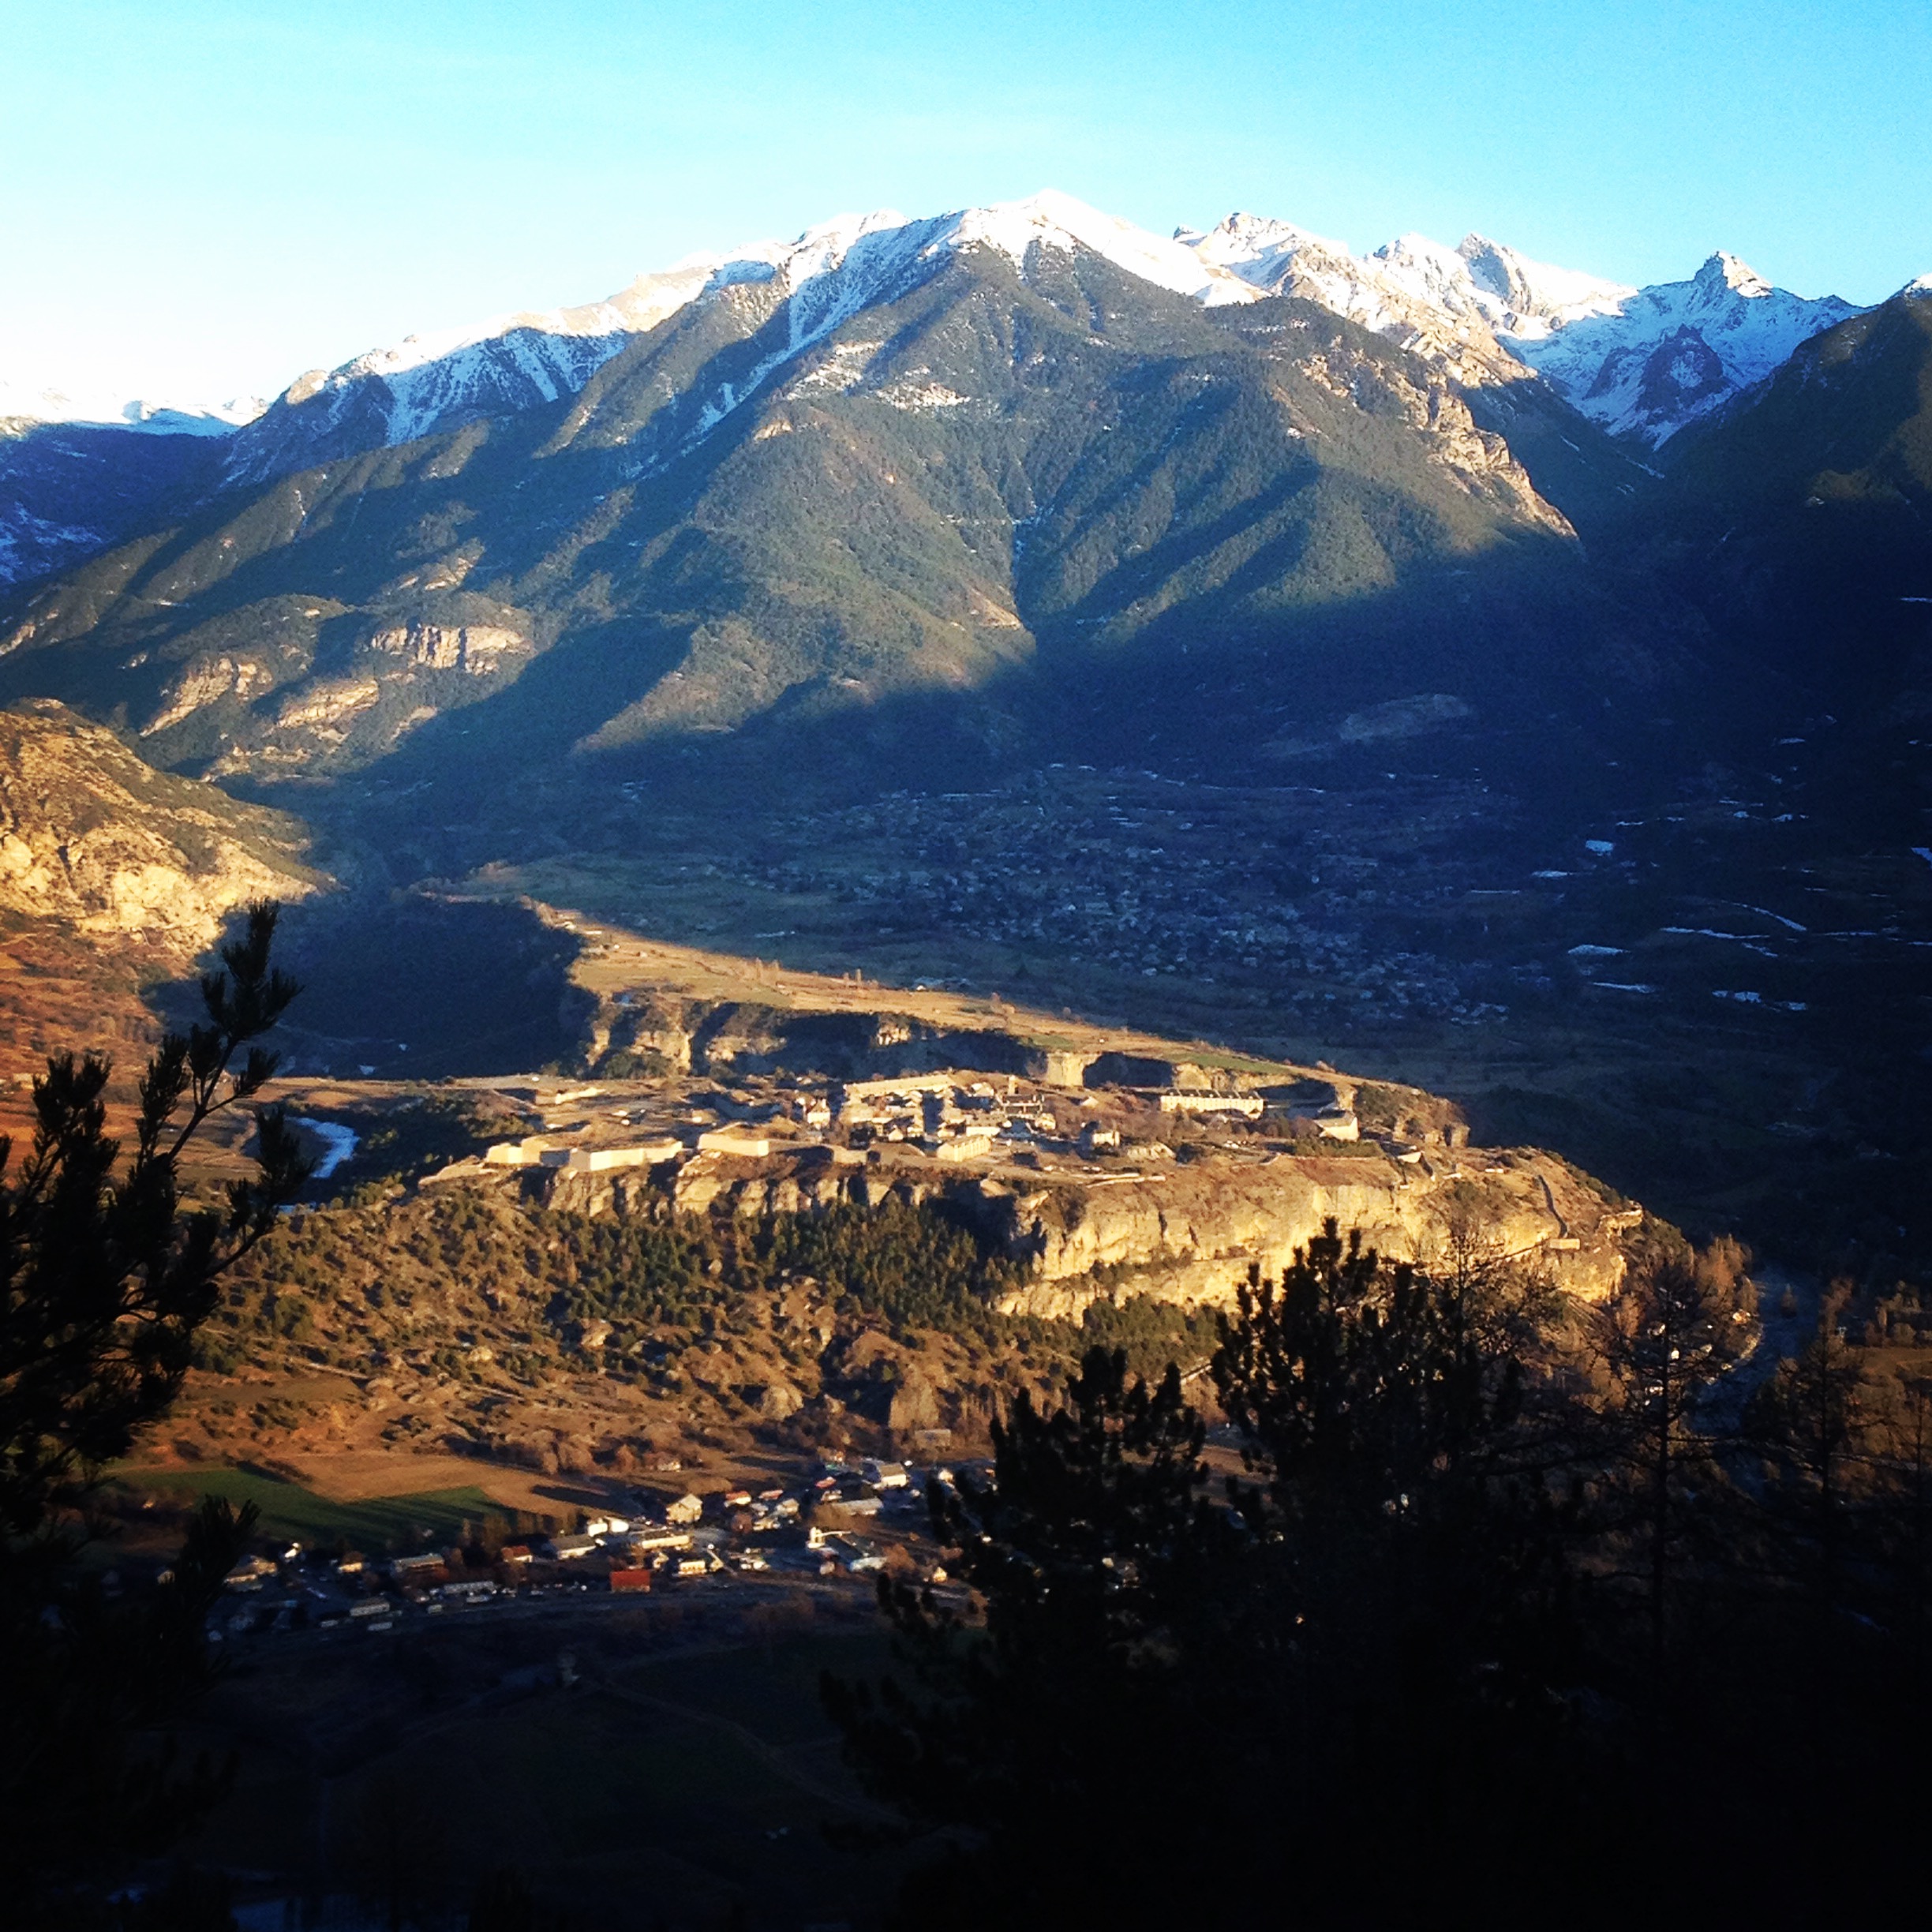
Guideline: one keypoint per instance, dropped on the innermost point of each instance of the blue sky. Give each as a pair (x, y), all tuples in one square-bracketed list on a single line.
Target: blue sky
[(209, 196)]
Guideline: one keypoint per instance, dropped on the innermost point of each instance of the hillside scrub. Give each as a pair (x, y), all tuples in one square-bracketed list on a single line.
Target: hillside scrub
[(466, 1316)]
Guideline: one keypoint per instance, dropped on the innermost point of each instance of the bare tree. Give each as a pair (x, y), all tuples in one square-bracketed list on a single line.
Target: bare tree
[(1675, 1328)]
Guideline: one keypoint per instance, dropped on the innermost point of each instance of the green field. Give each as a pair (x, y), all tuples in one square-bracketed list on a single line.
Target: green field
[(374, 1524)]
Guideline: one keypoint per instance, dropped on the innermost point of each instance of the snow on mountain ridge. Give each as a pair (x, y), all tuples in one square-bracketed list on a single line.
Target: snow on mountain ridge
[(1672, 352), (1520, 293), (641, 305), (511, 362), (827, 275), (1413, 290), (1051, 219), (1640, 362), (1482, 310), (869, 249), (34, 407)]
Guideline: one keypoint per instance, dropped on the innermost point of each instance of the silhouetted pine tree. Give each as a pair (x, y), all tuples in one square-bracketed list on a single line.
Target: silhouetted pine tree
[(1054, 1733), (1295, 1698), (103, 1281)]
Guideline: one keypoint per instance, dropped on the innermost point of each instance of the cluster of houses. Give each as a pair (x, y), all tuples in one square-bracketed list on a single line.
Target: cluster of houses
[(951, 1115), (828, 1528)]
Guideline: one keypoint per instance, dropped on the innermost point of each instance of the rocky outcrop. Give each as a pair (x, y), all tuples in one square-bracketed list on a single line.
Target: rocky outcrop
[(1187, 1233), (1190, 1234), (93, 839), (326, 702), (477, 649), (693, 1036), (1479, 459), (205, 681)]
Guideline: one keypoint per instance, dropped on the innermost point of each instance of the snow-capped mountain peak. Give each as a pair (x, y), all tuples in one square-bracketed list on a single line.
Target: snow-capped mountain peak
[(1481, 311), (1431, 273), (1724, 271), (824, 275), (1054, 220), (1666, 355), (1262, 251), (1413, 289), (1521, 294), (820, 250), (1641, 362)]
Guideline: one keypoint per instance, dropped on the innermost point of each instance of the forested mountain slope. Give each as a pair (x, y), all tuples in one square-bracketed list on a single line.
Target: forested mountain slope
[(1008, 478), (1798, 519)]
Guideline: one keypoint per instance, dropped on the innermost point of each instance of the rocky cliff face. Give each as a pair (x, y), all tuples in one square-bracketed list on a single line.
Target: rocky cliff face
[(93, 840), (1188, 1232), (1191, 1234)]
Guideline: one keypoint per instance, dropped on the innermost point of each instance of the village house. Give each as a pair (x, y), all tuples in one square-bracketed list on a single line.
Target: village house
[(527, 1152), (642, 1542)]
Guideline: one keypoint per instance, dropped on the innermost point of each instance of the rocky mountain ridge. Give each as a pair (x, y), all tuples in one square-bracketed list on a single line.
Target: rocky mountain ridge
[(1670, 355), (1640, 362)]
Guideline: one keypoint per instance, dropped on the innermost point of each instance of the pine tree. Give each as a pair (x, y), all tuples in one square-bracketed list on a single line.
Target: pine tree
[(104, 1279), (1177, 1705)]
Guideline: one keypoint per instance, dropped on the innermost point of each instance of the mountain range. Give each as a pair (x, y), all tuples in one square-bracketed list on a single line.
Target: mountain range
[(1027, 445), (1640, 363)]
